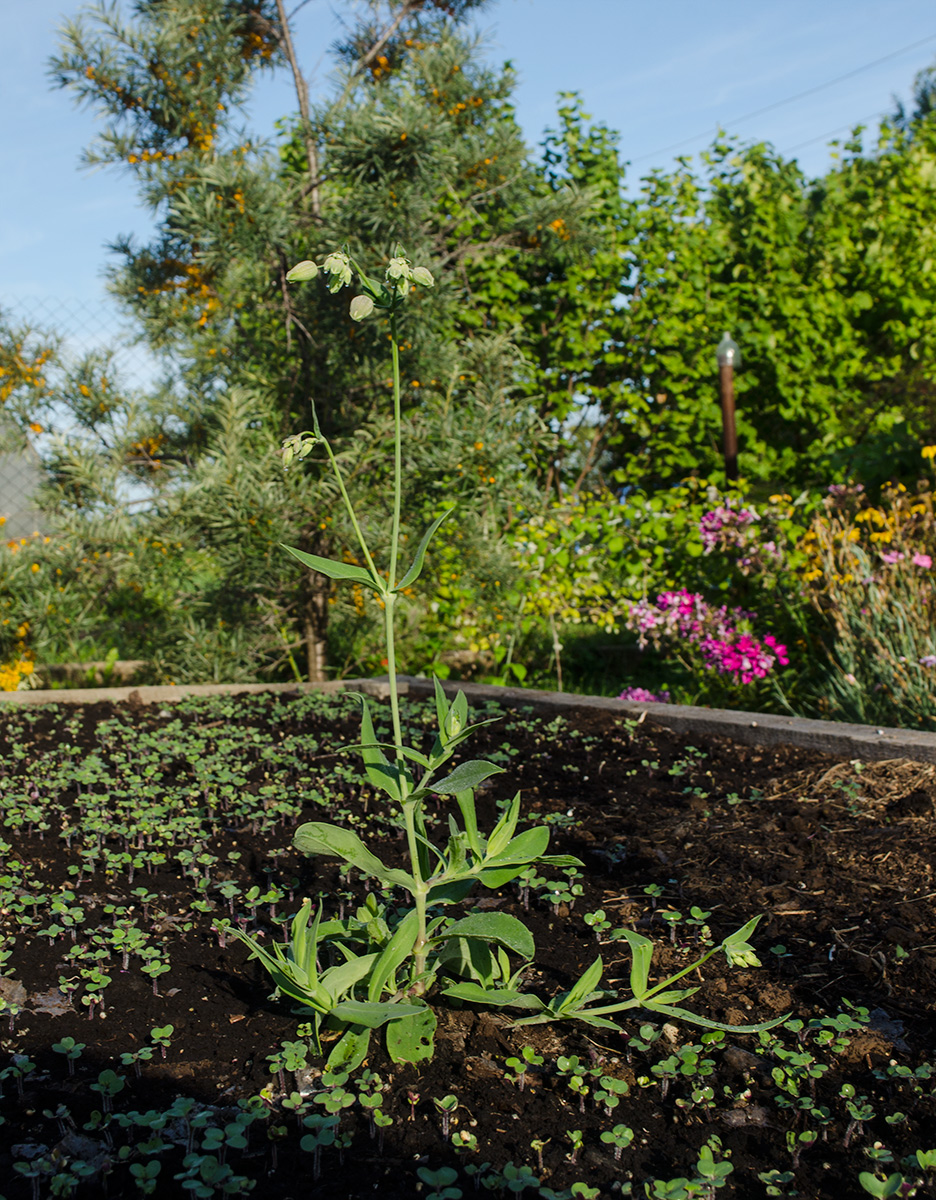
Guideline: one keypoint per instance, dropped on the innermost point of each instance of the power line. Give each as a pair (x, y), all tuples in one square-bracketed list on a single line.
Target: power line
[(839, 129), (790, 99)]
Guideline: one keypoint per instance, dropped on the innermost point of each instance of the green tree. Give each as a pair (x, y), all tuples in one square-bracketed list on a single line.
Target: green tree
[(417, 145)]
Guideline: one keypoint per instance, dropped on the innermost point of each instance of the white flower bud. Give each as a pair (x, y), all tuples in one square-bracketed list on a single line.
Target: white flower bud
[(302, 271), (338, 265), (361, 307), (422, 275), (398, 268)]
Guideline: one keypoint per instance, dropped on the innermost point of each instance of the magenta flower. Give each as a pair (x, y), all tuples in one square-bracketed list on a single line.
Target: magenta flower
[(891, 557), (922, 560), (725, 647)]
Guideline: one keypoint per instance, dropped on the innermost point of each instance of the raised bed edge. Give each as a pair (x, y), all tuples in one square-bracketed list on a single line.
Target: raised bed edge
[(836, 738)]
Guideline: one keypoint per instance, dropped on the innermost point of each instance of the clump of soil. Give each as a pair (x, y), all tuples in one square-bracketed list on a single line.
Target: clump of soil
[(837, 856)]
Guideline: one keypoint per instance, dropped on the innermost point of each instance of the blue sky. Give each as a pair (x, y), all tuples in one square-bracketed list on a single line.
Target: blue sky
[(660, 73)]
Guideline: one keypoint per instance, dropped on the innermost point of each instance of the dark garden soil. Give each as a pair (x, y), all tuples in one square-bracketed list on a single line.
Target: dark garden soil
[(839, 858)]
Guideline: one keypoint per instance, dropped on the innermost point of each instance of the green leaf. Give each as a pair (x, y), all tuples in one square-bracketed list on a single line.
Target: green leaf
[(493, 927), (413, 755), (379, 770), (331, 841), (584, 987), (694, 1019), (523, 848), (503, 831), (336, 570), (496, 877), (413, 1038), (413, 573), (394, 953), (641, 949), (372, 1014), (465, 802), (341, 978), (474, 993), (467, 775), (452, 892), (441, 702), (881, 1187), (350, 1050)]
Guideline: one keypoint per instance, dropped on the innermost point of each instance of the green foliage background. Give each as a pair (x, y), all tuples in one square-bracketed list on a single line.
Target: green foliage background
[(563, 363)]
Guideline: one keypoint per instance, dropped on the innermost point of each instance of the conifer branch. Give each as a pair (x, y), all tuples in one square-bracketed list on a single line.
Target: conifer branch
[(411, 6)]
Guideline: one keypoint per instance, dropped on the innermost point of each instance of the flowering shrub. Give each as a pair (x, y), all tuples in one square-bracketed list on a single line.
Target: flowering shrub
[(730, 528), (721, 636), (870, 577)]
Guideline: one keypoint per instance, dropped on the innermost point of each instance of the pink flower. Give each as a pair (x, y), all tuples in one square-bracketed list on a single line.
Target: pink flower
[(891, 557), (922, 560), (642, 695)]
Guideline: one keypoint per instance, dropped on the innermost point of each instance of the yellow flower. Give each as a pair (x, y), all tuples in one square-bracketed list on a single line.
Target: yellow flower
[(928, 452)]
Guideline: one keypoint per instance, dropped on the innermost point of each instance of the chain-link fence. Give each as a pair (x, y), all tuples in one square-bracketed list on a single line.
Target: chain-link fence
[(77, 327)]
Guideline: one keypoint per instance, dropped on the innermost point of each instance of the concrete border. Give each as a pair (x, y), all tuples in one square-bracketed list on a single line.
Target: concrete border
[(864, 742)]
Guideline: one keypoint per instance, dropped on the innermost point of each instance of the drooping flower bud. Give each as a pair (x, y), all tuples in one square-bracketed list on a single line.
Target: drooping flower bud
[(422, 275), (361, 307), (338, 266), (398, 268), (302, 271)]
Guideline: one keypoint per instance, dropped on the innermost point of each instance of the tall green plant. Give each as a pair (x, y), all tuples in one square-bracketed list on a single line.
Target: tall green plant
[(383, 974)]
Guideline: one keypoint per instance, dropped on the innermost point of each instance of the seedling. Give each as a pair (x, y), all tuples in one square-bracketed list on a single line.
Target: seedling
[(620, 1137), (519, 1066), (446, 1107), (71, 1049)]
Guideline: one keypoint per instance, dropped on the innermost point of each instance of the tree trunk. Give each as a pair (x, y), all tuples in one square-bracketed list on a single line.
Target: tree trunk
[(314, 617)]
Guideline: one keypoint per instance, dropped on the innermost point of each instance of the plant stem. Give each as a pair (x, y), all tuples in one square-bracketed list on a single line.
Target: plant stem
[(394, 542), (350, 507), (409, 814)]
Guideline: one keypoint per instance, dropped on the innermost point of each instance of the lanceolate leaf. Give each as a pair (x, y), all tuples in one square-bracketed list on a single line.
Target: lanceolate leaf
[(413, 573), (467, 775), (641, 949), (371, 1015), (393, 954), (583, 988), (336, 570), (379, 770), (331, 841), (494, 927), (474, 993), (523, 848), (694, 1019)]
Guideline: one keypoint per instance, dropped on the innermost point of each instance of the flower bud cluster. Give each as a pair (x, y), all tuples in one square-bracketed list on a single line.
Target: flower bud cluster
[(298, 447), (400, 276)]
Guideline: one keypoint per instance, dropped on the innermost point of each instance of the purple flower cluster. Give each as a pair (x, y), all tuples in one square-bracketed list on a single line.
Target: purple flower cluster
[(728, 528), (718, 524), (643, 696), (725, 647)]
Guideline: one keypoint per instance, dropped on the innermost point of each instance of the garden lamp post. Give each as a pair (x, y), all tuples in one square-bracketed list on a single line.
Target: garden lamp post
[(728, 355)]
